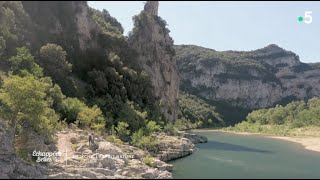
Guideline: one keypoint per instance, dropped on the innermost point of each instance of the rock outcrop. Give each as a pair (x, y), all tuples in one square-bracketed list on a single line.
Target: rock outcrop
[(10, 165), (107, 161), (150, 39), (253, 79), (7, 156), (151, 7), (194, 138), (173, 147)]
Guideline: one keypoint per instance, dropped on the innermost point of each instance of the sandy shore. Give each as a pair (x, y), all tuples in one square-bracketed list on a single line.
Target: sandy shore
[(310, 143)]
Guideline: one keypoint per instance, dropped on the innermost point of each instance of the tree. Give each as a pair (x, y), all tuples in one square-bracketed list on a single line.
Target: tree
[(92, 117), (57, 97), (53, 60), (71, 108), (23, 62), (23, 100), (14, 27)]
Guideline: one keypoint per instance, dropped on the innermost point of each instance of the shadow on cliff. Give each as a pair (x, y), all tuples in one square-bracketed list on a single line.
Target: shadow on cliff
[(215, 145)]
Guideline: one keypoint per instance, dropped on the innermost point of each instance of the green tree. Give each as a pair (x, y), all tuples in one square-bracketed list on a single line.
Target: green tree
[(71, 108), (92, 117), (23, 100), (57, 97), (23, 62), (53, 60)]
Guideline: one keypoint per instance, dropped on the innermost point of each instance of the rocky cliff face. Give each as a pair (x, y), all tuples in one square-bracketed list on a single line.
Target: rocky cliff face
[(251, 80), (7, 156), (150, 38), (69, 23), (12, 166)]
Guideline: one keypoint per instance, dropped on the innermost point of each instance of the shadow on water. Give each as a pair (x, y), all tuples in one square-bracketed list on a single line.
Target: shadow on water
[(215, 145)]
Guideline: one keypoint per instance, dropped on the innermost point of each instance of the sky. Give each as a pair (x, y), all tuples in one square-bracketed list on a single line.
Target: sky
[(231, 25)]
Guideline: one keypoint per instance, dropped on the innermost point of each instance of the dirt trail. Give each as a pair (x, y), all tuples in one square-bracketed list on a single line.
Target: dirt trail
[(65, 146)]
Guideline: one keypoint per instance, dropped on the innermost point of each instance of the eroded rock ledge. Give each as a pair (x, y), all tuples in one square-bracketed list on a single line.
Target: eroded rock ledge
[(104, 167)]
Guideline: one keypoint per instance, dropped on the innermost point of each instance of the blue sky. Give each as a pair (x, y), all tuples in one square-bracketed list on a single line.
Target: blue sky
[(228, 25)]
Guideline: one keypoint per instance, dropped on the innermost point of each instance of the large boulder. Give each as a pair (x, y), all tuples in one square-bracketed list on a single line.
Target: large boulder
[(72, 126)]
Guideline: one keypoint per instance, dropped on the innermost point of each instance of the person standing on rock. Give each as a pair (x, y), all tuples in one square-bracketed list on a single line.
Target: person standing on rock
[(91, 140)]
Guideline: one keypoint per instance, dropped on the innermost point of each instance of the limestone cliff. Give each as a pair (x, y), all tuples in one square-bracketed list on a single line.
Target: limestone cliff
[(150, 38), (63, 23), (254, 79)]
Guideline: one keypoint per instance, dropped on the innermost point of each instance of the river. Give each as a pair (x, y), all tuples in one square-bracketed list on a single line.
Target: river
[(228, 155)]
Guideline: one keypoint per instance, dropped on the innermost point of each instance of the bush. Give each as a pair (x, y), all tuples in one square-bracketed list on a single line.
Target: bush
[(152, 127), (122, 131), (148, 160), (71, 109), (136, 137), (170, 130), (92, 117), (145, 142)]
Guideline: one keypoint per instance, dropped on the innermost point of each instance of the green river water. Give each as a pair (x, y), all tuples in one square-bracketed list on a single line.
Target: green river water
[(228, 155)]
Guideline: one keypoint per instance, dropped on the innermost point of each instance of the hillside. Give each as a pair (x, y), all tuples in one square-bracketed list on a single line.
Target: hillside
[(67, 64), (246, 80)]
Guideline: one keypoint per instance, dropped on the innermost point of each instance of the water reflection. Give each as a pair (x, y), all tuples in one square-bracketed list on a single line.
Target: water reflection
[(215, 145)]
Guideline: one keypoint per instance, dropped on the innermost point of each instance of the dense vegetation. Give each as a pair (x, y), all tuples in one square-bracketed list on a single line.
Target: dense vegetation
[(47, 80), (196, 113), (282, 119)]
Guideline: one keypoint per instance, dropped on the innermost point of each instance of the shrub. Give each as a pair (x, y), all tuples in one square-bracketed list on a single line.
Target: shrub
[(152, 127), (122, 131), (145, 142), (92, 117), (71, 108), (169, 129), (148, 160)]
